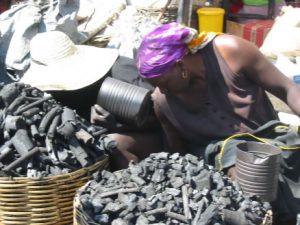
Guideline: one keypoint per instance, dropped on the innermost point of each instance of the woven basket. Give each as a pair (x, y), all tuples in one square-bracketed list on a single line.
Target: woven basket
[(45, 201), (80, 217)]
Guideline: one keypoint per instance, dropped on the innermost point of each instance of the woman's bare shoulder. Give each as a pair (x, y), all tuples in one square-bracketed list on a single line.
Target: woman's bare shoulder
[(236, 51), (233, 44)]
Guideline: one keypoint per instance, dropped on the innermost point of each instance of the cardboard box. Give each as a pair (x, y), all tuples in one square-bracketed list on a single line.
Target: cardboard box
[(255, 32)]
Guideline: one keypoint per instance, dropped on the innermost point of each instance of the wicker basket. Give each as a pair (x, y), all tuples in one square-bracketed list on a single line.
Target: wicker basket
[(80, 217), (45, 201)]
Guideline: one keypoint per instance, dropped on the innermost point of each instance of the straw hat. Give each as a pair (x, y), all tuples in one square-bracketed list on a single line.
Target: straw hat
[(58, 64)]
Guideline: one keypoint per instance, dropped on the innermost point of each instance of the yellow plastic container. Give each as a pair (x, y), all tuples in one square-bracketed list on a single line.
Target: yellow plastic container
[(210, 19)]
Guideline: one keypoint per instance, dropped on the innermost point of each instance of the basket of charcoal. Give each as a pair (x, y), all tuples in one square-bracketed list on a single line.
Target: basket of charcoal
[(167, 189), (47, 152)]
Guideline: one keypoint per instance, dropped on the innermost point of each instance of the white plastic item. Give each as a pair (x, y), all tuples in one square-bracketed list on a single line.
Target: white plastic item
[(289, 119), (284, 36), (288, 68)]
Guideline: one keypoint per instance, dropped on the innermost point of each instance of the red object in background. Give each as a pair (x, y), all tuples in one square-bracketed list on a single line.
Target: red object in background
[(236, 6), (257, 31), (4, 5)]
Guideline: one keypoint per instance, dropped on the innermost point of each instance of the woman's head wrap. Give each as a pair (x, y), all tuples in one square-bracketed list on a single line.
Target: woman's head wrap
[(165, 45)]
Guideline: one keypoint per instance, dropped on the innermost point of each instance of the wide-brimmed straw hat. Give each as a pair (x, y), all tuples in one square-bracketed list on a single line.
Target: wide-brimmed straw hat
[(58, 64)]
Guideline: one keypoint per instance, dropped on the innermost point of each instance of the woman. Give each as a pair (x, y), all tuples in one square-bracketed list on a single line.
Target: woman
[(210, 86)]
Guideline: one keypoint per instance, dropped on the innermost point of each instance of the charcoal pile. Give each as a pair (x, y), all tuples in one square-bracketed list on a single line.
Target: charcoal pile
[(168, 189), (39, 137)]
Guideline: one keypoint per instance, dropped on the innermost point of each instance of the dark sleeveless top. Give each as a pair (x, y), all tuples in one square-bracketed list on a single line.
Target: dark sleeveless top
[(234, 104)]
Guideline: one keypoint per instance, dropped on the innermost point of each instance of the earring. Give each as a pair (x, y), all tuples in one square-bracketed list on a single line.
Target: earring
[(184, 74)]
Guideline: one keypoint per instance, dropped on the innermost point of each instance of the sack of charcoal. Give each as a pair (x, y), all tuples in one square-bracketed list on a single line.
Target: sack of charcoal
[(167, 189), (47, 152)]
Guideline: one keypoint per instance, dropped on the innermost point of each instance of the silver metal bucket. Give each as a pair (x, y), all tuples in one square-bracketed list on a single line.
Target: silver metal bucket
[(257, 168), (129, 103)]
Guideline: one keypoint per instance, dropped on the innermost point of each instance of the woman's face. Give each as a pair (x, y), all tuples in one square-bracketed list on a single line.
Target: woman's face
[(173, 81)]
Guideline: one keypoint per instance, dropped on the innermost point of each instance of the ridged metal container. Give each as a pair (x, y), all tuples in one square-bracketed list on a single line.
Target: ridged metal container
[(129, 103), (257, 169)]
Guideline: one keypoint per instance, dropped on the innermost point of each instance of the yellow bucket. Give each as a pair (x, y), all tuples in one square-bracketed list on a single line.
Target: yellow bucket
[(210, 19)]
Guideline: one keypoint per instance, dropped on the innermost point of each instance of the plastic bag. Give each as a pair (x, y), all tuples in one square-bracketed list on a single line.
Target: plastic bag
[(284, 36)]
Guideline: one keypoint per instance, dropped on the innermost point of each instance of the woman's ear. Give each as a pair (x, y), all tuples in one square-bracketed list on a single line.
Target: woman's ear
[(179, 63), (181, 67)]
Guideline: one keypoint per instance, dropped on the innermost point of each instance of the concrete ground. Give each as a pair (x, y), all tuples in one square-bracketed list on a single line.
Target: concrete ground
[(284, 112)]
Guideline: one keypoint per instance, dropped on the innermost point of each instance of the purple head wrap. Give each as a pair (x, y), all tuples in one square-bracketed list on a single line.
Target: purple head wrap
[(161, 48)]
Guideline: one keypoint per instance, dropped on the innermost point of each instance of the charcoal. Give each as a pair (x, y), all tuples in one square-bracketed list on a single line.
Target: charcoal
[(130, 184), (113, 207), (173, 191), (123, 213), (162, 155), (63, 155), (152, 201), (129, 216), (97, 203), (192, 159), (119, 222), (210, 213), (162, 165), (174, 173), (10, 92), (102, 218), (235, 217), (142, 205), (85, 200), (150, 190), (42, 129), (129, 200), (177, 166), (144, 193), (105, 201), (176, 182), (201, 182), (164, 197), (135, 169), (142, 220), (217, 179), (174, 157), (170, 205), (137, 180), (55, 170), (191, 169), (158, 176), (152, 219)]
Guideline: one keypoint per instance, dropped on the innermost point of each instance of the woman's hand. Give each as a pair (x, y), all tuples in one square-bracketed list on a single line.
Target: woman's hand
[(100, 116), (231, 172)]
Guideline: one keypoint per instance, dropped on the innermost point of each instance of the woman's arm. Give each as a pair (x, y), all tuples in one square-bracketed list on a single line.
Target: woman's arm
[(174, 141), (244, 57)]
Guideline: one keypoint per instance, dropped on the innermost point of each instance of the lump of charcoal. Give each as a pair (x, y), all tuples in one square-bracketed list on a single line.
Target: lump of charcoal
[(119, 222), (102, 219)]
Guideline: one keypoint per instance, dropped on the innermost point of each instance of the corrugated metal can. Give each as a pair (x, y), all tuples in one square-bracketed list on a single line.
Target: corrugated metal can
[(257, 169), (129, 103)]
